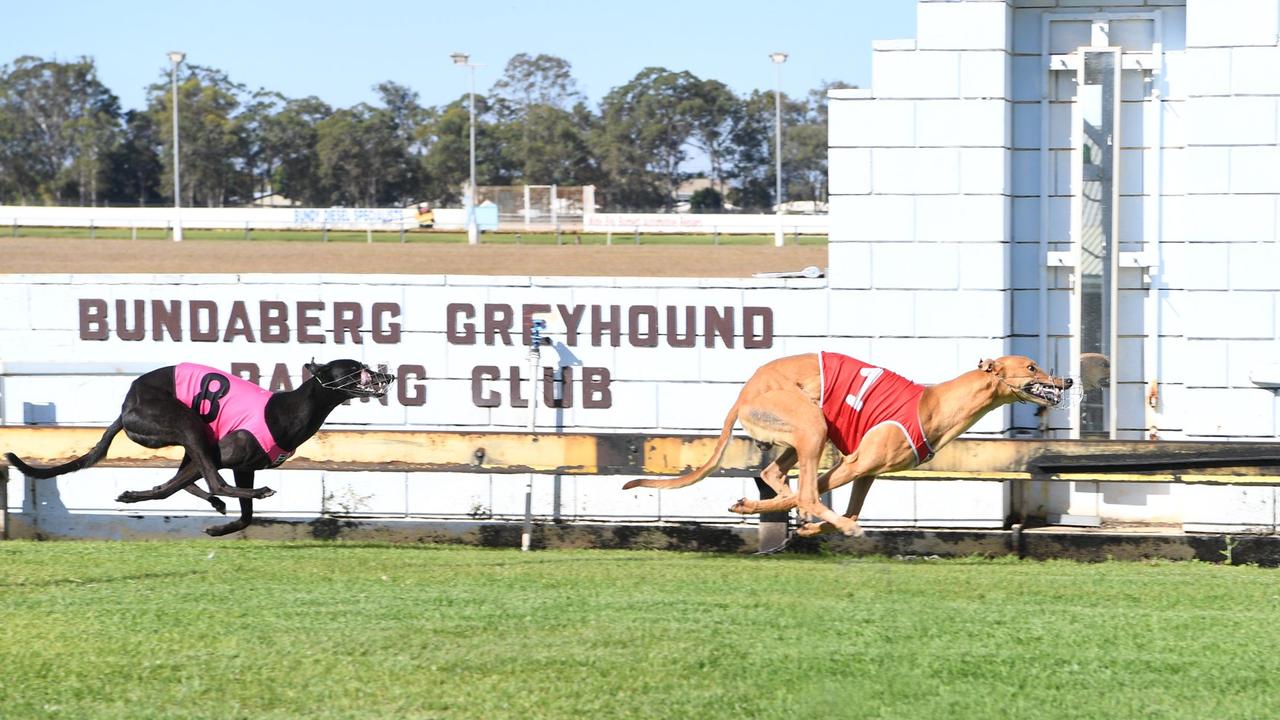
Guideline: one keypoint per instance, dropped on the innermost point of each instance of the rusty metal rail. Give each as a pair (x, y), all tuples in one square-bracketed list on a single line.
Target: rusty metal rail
[(1226, 463), (651, 454)]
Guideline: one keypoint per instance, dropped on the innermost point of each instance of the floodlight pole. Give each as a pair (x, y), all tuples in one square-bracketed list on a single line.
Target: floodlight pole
[(778, 58), (473, 230), (175, 59)]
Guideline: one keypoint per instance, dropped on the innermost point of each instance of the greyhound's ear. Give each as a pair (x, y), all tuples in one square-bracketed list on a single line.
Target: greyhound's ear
[(987, 365)]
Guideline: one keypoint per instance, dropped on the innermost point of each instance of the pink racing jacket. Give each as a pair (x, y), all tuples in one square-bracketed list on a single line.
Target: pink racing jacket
[(227, 403), (857, 396)]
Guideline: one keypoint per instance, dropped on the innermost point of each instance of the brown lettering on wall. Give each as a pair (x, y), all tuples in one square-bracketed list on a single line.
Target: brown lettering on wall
[(557, 393), (273, 320), (599, 325), (308, 319), (516, 384), (690, 336), (384, 331), (572, 319), (646, 336), (526, 326), (280, 380), (497, 322), (460, 333), (93, 319), (595, 388), (166, 319), (411, 394), (139, 329), (718, 323), (206, 331), (347, 318), (479, 375), (247, 371), (238, 324), (752, 337)]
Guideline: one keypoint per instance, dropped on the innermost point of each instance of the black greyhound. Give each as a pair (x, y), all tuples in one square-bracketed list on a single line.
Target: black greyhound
[(153, 416)]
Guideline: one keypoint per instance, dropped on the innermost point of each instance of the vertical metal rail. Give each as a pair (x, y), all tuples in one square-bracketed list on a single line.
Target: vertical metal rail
[(535, 365), (4, 502)]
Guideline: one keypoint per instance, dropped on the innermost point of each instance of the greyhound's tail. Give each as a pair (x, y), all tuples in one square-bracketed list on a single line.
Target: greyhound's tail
[(707, 468), (98, 452)]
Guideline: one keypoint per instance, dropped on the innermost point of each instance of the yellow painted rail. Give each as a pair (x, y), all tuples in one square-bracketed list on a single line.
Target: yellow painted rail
[(641, 454)]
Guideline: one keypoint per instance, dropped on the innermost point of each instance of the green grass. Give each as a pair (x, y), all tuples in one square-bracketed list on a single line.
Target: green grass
[(334, 630), (437, 237)]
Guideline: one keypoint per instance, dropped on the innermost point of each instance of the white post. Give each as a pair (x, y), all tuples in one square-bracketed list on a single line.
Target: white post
[(526, 208), (473, 229), (588, 207), (176, 58), (554, 218), (535, 367), (778, 58)]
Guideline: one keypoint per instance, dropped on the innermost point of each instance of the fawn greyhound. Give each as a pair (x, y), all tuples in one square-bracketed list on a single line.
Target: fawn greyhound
[(879, 421), (222, 421)]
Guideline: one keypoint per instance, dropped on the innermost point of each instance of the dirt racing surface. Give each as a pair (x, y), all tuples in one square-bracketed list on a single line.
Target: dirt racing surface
[(40, 255)]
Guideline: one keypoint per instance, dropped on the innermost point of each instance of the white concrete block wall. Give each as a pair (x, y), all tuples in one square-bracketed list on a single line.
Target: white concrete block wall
[(654, 389), (1219, 278), (919, 245), (924, 229)]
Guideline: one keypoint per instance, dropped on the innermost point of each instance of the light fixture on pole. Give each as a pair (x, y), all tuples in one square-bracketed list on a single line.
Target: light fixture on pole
[(473, 231), (175, 59), (778, 58)]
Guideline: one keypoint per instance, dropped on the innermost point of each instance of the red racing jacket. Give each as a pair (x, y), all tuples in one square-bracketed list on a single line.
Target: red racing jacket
[(857, 396)]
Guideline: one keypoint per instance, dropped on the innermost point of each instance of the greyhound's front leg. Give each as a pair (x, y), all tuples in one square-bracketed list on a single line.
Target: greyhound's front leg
[(861, 486), (784, 501), (244, 479)]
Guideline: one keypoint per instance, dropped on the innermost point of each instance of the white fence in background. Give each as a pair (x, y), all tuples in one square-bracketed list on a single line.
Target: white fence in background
[(392, 220)]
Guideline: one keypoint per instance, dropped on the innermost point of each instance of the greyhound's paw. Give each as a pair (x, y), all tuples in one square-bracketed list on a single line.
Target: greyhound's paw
[(128, 496), (851, 529), (218, 505), (261, 493), (809, 529), (220, 530), (743, 507)]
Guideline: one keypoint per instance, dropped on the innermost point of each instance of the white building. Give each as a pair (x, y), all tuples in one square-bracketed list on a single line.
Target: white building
[(1073, 177)]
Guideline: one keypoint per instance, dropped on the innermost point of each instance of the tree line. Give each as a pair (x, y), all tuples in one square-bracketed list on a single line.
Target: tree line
[(64, 139)]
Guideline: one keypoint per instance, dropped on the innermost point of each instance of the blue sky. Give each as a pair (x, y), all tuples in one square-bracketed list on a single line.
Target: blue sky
[(338, 51)]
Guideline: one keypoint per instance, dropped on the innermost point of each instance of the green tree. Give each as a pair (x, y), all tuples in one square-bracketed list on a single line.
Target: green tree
[(714, 111), (540, 123), (805, 150), (642, 137), (261, 156), (213, 144), (134, 166), (447, 160), (292, 135), (533, 81), (753, 139), (58, 123)]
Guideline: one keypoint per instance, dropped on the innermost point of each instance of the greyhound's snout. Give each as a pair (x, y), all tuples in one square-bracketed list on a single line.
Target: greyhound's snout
[(1068, 382)]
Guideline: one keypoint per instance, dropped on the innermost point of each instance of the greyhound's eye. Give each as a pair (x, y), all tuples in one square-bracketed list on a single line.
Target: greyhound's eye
[(1032, 369)]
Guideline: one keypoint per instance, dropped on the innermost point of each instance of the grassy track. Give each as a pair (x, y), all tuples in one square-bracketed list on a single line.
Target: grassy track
[(438, 237), (267, 630)]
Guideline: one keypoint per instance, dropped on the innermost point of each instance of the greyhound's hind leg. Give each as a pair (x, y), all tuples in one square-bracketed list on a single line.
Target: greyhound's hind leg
[(186, 474), (775, 475)]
